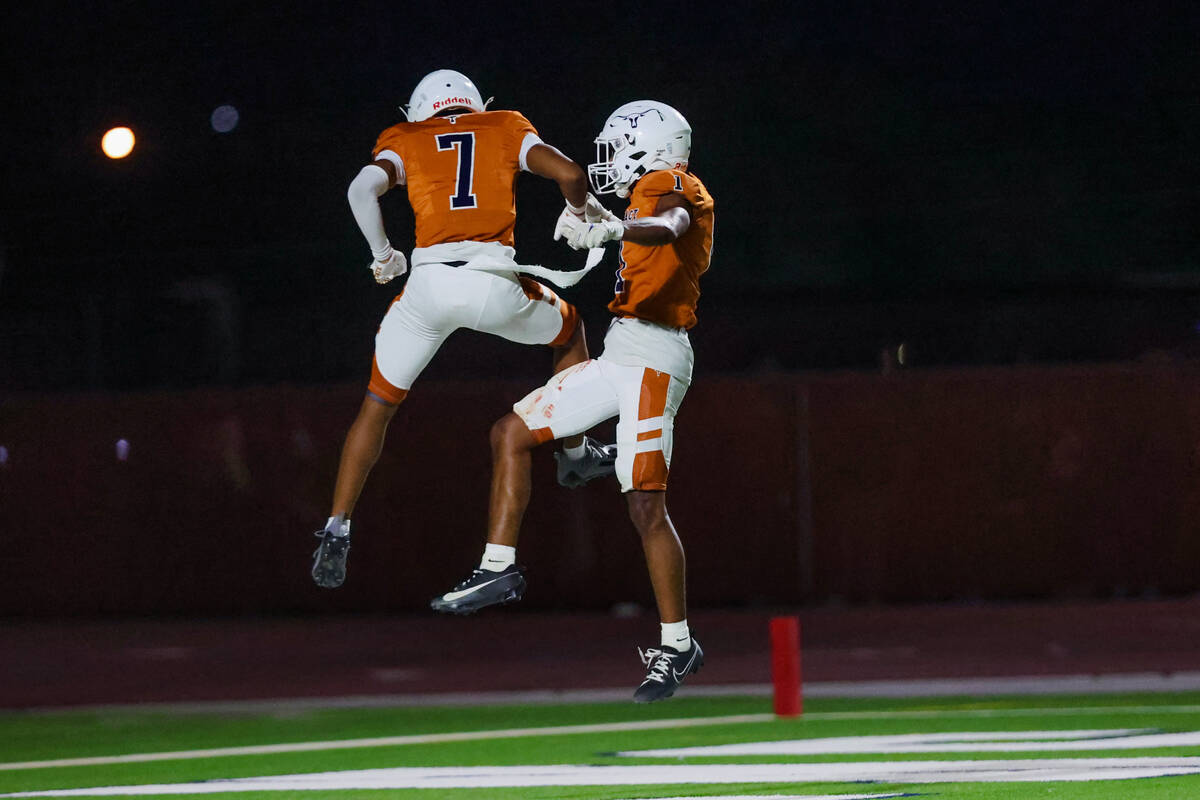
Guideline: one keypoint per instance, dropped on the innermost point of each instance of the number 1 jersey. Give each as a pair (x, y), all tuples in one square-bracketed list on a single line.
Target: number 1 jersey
[(461, 173), (662, 283)]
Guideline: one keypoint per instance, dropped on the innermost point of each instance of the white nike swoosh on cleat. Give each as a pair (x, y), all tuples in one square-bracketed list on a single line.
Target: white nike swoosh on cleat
[(679, 676), (452, 596)]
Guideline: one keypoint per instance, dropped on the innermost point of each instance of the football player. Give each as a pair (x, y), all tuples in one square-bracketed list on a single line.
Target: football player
[(641, 378), (458, 162)]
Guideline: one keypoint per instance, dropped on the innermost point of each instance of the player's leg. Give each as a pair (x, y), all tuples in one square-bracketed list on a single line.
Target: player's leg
[(581, 458), (646, 430), (498, 580), (665, 559), (364, 442), (530, 312), (573, 350), (512, 444), (678, 654), (573, 400), (404, 345)]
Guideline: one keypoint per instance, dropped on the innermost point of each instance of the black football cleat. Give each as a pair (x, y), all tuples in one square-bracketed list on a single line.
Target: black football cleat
[(481, 589), (597, 461), (329, 560), (668, 668)]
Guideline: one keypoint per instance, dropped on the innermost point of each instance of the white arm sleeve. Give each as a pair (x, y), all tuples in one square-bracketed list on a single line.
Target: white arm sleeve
[(363, 194), (397, 162), (529, 141)]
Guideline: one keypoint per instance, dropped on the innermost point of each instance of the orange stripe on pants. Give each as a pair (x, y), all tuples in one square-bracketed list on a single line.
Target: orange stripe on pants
[(536, 291), (650, 469), (380, 387)]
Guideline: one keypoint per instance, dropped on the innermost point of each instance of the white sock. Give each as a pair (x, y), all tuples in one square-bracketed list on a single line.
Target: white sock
[(498, 557), (343, 525), (576, 452), (676, 635)]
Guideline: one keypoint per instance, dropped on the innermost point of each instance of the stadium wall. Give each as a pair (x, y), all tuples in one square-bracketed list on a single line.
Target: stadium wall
[(926, 485)]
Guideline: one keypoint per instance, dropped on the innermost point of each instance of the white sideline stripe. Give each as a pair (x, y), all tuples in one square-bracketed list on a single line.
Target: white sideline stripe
[(933, 687), (1067, 769), (392, 741)]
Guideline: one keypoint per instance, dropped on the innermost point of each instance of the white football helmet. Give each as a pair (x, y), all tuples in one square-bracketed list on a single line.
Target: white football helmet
[(440, 90), (637, 138)]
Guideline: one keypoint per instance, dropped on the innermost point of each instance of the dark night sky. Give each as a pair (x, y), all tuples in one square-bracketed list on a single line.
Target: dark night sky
[(856, 150)]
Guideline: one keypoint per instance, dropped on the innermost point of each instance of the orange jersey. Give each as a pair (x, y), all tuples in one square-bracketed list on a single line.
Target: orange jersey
[(461, 171), (662, 284)]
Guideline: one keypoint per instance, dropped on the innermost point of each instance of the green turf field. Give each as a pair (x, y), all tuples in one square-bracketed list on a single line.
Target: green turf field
[(983, 746)]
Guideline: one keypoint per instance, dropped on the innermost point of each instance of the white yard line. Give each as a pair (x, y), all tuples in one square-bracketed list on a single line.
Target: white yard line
[(392, 741), (972, 686), (903, 772), (1041, 742), (604, 727)]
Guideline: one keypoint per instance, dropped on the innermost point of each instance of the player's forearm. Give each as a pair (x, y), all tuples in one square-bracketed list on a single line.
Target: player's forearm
[(573, 185), (652, 231), (363, 196), (549, 162)]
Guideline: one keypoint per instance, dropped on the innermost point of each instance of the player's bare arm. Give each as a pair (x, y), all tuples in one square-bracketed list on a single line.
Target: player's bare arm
[(549, 162), (672, 217)]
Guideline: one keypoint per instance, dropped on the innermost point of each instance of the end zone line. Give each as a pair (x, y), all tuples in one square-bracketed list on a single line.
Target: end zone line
[(391, 741)]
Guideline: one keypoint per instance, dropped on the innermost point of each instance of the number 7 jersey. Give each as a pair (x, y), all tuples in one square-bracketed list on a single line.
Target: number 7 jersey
[(461, 173)]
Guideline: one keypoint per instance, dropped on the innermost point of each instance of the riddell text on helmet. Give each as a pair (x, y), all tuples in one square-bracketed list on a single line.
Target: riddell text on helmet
[(451, 101)]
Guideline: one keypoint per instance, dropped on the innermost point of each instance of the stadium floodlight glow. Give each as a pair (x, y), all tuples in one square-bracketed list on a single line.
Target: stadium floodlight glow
[(117, 142)]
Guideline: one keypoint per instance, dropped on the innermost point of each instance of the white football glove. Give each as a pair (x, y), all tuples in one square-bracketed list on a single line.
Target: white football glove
[(392, 265), (593, 211), (594, 234), (567, 226)]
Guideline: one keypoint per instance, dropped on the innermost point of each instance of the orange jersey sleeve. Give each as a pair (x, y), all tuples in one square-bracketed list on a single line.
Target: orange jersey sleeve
[(662, 284), (461, 174)]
